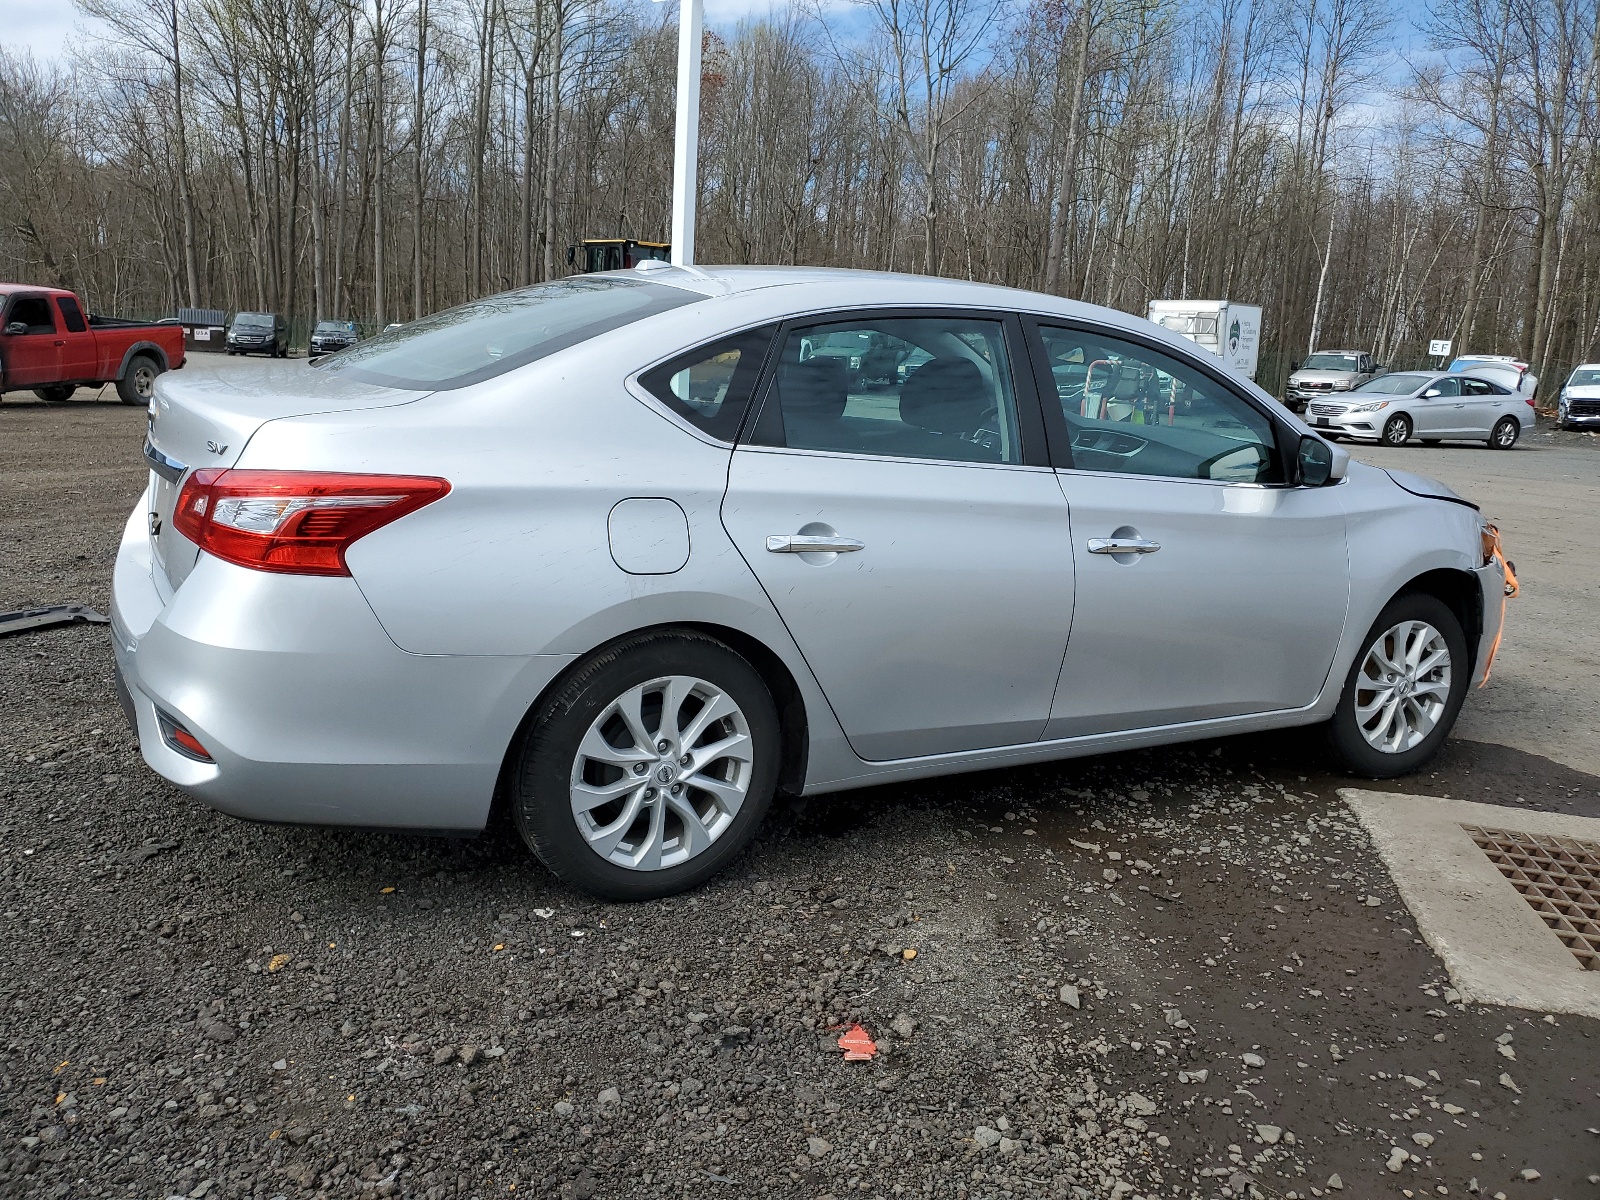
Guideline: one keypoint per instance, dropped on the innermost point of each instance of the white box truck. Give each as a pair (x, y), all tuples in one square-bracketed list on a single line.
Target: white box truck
[(1227, 329)]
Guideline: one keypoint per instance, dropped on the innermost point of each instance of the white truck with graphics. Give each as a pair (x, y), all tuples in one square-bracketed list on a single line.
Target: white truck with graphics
[(1227, 329)]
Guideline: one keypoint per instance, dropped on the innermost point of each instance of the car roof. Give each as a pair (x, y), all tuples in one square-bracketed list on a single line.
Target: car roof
[(1357, 353), (829, 287), (7, 289)]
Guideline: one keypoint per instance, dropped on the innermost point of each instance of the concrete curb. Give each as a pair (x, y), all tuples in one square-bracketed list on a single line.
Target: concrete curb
[(1496, 948)]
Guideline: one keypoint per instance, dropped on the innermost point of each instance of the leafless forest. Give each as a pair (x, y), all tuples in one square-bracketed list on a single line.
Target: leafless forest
[(379, 159)]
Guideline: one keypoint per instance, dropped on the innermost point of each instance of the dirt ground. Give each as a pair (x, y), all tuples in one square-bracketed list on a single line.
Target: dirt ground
[(1171, 973)]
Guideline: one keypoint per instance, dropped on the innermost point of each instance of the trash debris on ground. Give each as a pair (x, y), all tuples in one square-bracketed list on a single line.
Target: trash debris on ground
[(857, 1044), (56, 614)]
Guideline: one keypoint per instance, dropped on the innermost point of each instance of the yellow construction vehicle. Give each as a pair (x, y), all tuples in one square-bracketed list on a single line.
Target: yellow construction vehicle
[(614, 254)]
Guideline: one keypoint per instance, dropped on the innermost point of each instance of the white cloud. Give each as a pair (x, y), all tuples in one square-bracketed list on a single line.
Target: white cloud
[(48, 30)]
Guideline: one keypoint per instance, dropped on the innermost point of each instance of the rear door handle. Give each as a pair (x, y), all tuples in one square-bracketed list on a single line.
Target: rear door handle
[(1136, 545), (811, 543)]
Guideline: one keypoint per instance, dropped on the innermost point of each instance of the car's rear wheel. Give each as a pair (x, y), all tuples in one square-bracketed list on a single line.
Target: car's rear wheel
[(650, 769), (55, 392), (138, 382), (1505, 433), (1402, 695), (1397, 430)]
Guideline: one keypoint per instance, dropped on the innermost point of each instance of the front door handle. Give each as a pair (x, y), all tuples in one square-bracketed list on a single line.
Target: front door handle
[(1123, 545), (812, 543)]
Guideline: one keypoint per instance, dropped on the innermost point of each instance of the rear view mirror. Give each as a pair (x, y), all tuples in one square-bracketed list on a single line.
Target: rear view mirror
[(1316, 461), (16, 328)]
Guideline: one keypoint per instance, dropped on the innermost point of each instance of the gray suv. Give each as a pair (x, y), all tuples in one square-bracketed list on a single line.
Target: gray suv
[(1326, 372)]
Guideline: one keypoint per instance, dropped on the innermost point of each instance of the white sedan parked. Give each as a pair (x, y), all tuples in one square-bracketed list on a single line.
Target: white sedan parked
[(630, 552), (1428, 407)]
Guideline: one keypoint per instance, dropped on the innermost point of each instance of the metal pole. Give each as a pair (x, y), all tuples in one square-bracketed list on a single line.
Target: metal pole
[(686, 145)]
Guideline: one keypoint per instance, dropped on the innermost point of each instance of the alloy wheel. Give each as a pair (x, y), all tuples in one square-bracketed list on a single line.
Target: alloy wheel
[(661, 773), (144, 382), (1505, 434), (1403, 687), (1397, 432)]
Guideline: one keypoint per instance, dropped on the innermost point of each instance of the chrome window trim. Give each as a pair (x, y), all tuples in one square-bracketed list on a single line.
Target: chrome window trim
[(894, 458)]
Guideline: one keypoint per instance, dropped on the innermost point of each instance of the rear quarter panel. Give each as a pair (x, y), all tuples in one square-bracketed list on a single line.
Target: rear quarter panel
[(516, 560)]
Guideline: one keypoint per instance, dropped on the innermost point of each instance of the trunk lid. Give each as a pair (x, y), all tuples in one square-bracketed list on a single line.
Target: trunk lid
[(203, 419)]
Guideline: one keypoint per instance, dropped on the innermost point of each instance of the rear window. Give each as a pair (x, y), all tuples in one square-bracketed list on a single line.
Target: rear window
[(489, 337)]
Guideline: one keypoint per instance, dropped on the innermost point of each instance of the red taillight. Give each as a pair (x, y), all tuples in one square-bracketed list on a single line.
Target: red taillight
[(293, 522)]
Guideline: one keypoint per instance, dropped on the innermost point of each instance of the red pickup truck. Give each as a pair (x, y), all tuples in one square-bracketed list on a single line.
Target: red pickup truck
[(48, 344)]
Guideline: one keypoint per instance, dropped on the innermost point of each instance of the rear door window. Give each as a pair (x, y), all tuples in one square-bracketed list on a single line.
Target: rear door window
[(936, 387), (71, 314)]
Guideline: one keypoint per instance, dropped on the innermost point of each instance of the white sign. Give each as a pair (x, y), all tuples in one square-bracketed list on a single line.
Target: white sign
[(202, 335), (1439, 347)]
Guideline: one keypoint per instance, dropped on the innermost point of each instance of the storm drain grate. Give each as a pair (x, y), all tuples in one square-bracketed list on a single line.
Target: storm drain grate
[(1558, 876)]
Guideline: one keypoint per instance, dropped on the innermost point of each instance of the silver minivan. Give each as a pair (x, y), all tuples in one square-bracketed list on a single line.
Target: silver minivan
[(1426, 406)]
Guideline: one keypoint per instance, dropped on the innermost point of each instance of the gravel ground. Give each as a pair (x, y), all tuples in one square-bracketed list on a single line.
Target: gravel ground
[(1171, 973)]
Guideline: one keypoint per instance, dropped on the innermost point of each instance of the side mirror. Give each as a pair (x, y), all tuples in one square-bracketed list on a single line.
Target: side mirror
[(1431, 393), (17, 328), (1294, 365), (572, 255), (1321, 462)]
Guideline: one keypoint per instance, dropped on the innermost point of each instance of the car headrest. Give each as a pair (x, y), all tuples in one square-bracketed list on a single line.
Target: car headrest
[(817, 388), (945, 395)]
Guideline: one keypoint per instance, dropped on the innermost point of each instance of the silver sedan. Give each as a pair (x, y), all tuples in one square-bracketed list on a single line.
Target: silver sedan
[(1428, 407), (632, 552)]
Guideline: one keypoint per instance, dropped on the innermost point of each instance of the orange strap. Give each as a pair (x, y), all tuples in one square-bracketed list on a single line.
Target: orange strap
[(1491, 537)]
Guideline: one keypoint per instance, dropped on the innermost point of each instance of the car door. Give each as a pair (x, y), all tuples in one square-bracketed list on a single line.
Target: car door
[(79, 360), (32, 355), (1438, 410), (1205, 587), (1483, 403), (909, 530)]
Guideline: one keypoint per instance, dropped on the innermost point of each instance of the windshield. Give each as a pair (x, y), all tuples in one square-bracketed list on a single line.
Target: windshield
[(1585, 377), (1331, 362), (1395, 385), (336, 326), (253, 321), (489, 337)]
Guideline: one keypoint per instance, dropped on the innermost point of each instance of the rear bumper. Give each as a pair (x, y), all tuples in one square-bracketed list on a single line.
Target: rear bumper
[(312, 715)]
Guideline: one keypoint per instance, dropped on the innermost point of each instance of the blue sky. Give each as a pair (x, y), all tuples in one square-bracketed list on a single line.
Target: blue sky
[(47, 29)]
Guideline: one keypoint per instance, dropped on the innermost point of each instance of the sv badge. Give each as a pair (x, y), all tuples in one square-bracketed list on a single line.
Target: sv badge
[(216, 448)]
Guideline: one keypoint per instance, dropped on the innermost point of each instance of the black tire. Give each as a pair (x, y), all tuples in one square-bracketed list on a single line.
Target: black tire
[(138, 380), (1505, 433), (549, 744), (56, 392), (1354, 753), (1397, 430)]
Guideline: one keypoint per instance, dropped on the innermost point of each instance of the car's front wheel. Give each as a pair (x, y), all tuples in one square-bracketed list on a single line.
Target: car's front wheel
[(1397, 430), (650, 768), (1505, 433), (1402, 695)]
